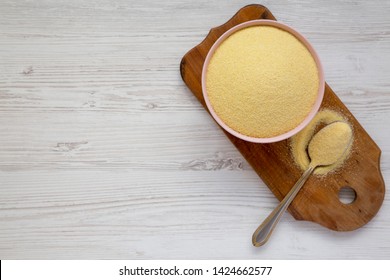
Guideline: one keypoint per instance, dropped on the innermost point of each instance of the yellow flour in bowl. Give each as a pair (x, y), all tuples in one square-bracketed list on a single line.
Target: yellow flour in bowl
[(262, 81)]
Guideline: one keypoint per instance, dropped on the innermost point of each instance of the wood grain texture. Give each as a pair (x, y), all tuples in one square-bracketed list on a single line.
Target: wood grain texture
[(318, 201), (105, 153)]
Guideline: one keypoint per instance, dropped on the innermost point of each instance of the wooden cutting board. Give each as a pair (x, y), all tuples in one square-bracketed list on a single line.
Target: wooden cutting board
[(318, 201)]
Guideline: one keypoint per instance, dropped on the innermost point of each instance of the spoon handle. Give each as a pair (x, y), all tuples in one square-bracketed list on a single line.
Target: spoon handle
[(264, 231)]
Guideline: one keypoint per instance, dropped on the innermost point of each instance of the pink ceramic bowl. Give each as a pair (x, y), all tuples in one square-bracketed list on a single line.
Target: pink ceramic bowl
[(321, 88)]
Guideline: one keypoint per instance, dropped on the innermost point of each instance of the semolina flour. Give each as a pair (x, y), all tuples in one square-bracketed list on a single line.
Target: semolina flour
[(330, 144), (262, 81), (299, 142)]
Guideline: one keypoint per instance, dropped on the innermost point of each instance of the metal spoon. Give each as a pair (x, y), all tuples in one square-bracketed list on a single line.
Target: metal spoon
[(331, 152)]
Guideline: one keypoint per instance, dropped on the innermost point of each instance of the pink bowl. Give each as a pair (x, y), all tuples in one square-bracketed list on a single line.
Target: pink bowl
[(316, 105)]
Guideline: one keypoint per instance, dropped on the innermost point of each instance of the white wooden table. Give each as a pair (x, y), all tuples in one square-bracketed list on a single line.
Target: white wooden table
[(105, 154)]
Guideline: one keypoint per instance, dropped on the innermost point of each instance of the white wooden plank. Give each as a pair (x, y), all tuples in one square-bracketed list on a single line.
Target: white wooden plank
[(104, 153)]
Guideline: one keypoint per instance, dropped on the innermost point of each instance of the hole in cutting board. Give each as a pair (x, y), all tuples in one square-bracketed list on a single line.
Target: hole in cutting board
[(347, 195)]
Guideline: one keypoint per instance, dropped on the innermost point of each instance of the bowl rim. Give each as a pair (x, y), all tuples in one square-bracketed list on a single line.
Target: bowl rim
[(302, 39)]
